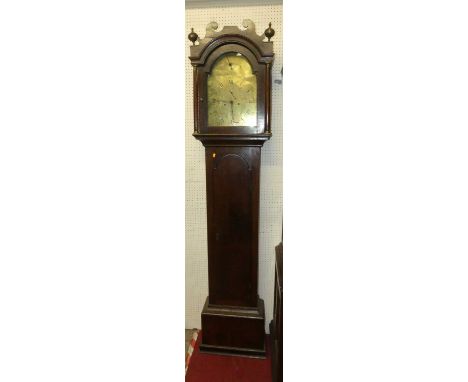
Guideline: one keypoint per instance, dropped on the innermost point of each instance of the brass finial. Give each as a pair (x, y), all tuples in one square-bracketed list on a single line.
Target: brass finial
[(193, 36), (269, 32)]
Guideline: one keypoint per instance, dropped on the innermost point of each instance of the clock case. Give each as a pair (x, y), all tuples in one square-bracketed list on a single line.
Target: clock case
[(233, 317)]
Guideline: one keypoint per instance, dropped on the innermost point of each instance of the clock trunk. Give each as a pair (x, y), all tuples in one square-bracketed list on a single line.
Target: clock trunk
[(232, 182)]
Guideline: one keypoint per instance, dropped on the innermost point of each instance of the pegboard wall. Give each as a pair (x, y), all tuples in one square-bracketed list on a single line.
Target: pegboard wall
[(271, 182)]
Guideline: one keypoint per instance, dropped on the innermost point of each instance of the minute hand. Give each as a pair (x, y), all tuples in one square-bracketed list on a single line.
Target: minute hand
[(233, 96)]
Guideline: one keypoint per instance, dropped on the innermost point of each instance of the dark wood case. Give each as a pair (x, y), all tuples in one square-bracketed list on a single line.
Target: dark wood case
[(276, 325), (233, 317)]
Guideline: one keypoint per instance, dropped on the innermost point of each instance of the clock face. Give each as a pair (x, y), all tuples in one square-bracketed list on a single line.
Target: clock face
[(232, 92)]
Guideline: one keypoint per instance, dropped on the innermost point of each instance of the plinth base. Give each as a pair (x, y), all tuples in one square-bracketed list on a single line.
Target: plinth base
[(234, 330)]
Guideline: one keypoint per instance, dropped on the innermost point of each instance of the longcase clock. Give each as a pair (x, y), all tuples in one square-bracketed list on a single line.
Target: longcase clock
[(232, 110)]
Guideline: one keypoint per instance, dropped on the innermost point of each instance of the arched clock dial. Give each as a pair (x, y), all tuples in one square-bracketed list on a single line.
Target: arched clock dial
[(232, 92)]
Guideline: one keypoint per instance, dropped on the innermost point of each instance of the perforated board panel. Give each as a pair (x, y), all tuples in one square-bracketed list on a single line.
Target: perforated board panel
[(271, 188)]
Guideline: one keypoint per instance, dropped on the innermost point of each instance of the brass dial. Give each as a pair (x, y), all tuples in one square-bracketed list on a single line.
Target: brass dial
[(232, 92)]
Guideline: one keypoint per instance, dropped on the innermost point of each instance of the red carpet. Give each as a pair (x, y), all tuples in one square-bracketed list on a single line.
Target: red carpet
[(221, 368)]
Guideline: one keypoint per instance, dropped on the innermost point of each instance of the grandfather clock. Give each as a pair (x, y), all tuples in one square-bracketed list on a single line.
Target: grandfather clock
[(232, 109)]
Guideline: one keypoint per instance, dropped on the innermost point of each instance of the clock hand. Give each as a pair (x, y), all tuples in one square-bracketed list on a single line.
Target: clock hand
[(232, 113), (233, 96), (229, 62)]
